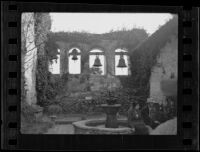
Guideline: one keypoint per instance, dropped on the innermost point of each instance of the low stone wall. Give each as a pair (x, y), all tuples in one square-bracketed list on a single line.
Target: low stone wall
[(89, 127)]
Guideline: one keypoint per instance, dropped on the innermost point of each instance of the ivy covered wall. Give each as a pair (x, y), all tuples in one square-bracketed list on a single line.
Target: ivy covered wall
[(167, 65), (107, 42), (145, 56)]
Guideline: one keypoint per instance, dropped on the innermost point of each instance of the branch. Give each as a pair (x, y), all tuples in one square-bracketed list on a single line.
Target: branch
[(40, 34), (27, 67), (30, 58), (35, 46), (42, 74), (26, 31)]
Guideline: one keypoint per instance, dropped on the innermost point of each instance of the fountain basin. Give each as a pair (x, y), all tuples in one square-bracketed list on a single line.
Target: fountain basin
[(94, 126)]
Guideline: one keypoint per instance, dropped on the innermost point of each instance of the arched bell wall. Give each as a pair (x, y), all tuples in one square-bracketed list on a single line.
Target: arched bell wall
[(107, 46)]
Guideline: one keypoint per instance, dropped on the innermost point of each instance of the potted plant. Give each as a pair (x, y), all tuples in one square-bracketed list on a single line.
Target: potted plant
[(111, 98)]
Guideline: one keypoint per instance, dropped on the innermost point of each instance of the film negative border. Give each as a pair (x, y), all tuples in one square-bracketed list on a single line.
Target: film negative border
[(190, 74), (11, 91), (11, 88)]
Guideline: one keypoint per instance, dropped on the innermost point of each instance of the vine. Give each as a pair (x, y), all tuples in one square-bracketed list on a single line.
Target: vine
[(43, 86), (144, 57)]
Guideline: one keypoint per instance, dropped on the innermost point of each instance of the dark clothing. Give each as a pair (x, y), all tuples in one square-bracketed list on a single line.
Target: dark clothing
[(147, 120), (135, 121)]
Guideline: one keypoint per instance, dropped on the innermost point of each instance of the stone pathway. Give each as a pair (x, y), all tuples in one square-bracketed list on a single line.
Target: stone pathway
[(61, 129), (63, 125)]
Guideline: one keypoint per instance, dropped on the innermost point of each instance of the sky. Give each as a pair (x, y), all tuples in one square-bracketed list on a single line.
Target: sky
[(99, 23)]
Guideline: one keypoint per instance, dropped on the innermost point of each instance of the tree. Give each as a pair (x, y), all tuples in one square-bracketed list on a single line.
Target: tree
[(35, 28)]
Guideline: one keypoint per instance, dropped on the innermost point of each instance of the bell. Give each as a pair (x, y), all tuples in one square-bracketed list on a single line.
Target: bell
[(74, 54), (121, 63), (97, 62), (74, 57)]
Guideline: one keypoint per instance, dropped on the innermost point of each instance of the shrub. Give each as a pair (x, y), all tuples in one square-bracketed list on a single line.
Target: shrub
[(54, 109), (27, 112)]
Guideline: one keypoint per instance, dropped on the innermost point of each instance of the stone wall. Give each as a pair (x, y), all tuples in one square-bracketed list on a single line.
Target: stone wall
[(104, 82), (29, 57), (167, 63), (107, 46), (96, 82)]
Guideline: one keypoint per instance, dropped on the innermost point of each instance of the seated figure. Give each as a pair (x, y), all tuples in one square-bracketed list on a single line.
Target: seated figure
[(135, 119)]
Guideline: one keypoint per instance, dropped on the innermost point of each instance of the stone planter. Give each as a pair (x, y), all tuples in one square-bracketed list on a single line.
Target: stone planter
[(111, 101), (38, 111)]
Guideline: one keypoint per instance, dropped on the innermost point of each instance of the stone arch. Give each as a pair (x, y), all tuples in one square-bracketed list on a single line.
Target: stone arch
[(97, 52), (122, 71), (54, 66), (92, 47), (74, 66)]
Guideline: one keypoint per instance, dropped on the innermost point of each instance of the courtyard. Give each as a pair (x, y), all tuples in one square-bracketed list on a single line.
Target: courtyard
[(115, 82)]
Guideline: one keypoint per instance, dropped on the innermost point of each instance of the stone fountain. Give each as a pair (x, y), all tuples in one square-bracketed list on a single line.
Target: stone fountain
[(101, 126)]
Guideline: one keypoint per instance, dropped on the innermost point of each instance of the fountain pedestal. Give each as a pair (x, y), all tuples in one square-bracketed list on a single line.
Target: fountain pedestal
[(111, 115)]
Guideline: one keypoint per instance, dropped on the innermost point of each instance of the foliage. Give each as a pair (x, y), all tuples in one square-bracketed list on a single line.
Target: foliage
[(81, 83), (162, 113), (51, 48), (122, 96), (128, 38), (126, 97), (54, 109), (53, 88), (135, 86), (96, 70), (42, 28), (170, 109), (79, 106), (27, 112), (88, 38), (144, 56), (44, 86), (78, 102)]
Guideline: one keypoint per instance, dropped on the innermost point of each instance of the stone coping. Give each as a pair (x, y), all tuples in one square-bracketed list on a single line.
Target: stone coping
[(110, 105), (67, 121), (87, 125)]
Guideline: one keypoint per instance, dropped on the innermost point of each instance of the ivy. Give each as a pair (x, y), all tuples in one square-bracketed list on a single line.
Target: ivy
[(124, 37), (43, 88), (143, 58)]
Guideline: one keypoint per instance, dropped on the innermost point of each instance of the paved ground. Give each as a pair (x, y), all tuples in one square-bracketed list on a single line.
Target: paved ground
[(63, 123), (61, 129)]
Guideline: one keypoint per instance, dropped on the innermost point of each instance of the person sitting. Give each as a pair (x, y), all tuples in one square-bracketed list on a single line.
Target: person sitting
[(135, 119), (146, 118)]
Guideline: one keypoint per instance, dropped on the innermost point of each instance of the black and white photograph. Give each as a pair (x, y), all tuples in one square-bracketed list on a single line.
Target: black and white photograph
[(99, 73)]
